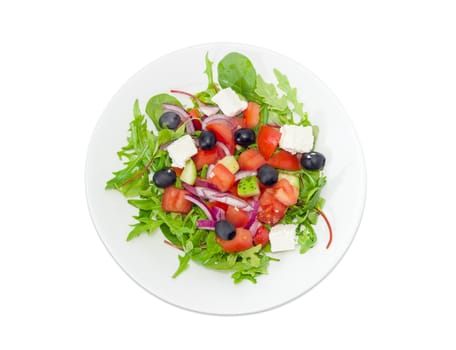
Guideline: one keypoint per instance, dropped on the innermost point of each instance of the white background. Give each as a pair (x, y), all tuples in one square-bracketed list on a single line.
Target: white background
[(391, 63)]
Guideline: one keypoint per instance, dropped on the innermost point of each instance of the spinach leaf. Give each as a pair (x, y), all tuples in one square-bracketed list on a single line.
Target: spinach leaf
[(237, 72), (154, 107)]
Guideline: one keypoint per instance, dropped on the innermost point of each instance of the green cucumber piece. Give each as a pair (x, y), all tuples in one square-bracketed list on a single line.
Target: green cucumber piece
[(248, 186), (230, 163), (293, 180), (189, 173)]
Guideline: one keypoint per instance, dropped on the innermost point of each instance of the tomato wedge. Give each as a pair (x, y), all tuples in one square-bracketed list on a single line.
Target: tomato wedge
[(250, 160), (223, 134), (268, 140), (222, 178), (285, 192), (174, 201), (204, 157), (261, 236), (241, 241), (284, 160), (272, 214), (237, 217), (252, 115)]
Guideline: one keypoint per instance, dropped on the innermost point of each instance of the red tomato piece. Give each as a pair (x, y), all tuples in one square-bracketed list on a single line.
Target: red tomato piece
[(240, 122), (272, 214), (252, 115), (284, 160), (223, 134), (237, 217), (222, 178), (267, 198), (271, 210), (285, 192), (204, 157), (174, 201), (268, 140), (261, 236), (241, 241), (250, 160)]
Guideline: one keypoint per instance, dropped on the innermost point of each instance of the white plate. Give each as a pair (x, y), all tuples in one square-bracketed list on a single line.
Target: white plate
[(151, 263)]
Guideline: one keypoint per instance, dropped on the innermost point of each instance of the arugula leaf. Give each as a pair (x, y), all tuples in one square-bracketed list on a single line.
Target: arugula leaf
[(137, 154), (290, 93), (183, 264), (306, 237), (237, 72), (303, 213), (168, 234), (154, 107), (208, 70), (270, 96)]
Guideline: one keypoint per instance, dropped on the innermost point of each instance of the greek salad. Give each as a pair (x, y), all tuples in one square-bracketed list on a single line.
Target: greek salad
[(230, 178)]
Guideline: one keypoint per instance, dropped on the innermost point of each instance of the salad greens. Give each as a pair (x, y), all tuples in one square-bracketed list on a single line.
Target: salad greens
[(144, 154)]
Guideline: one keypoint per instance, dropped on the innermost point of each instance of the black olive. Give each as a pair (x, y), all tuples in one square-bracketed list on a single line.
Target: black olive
[(267, 175), (313, 161), (207, 140), (225, 230), (164, 178), (244, 137), (169, 120)]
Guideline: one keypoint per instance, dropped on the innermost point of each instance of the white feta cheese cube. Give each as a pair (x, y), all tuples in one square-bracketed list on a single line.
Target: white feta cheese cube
[(182, 150), (282, 237), (296, 138), (229, 102)]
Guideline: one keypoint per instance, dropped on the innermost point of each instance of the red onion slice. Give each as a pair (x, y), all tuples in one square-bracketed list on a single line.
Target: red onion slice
[(200, 204), (218, 213), (253, 229), (204, 108), (223, 198), (231, 122), (209, 170), (168, 107), (244, 173), (253, 215), (204, 183), (206, 224), (189, 128), (223, 148)]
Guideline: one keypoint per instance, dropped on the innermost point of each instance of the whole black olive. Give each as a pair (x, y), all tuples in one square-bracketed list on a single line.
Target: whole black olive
[(267, 175), (169, 120), (313, 161), (207, 140), (225, 230), (164, 178), (244, 137)]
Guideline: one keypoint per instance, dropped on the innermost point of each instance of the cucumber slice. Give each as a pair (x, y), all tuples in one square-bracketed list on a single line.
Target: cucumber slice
[(248, 186), (189, 173), (230, 163), (294, 180)]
